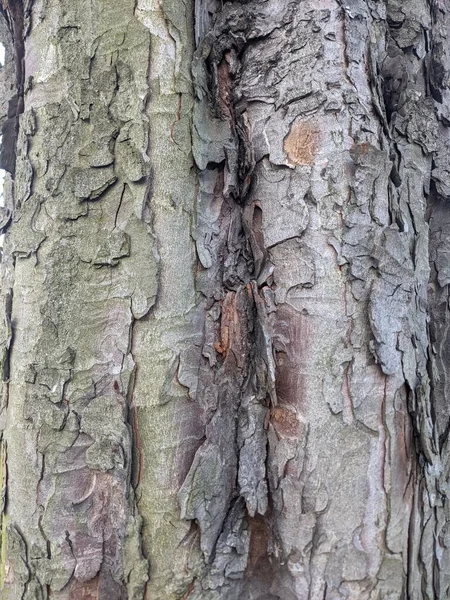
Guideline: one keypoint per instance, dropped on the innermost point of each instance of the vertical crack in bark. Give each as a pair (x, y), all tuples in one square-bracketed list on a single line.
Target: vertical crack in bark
[(14, 15), (227, 482), (227, 488), (413, 89)]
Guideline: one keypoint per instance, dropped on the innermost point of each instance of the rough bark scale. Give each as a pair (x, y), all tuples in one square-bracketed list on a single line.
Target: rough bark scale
[(71, 528), (221, 321)]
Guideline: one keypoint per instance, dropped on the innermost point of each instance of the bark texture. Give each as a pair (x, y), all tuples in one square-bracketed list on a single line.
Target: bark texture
[(79, 269), (225, 351)]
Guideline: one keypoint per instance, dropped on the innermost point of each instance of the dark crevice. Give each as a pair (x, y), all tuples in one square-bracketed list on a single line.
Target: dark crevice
[(14, 15), (240, 372)]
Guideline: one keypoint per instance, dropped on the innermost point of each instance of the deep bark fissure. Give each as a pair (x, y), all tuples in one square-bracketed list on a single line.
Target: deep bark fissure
[(14, 16)]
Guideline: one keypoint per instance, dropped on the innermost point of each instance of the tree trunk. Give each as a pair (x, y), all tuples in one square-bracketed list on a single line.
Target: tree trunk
[(225, 285)]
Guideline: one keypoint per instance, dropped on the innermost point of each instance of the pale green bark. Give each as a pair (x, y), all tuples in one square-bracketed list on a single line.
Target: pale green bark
[(85, 269)]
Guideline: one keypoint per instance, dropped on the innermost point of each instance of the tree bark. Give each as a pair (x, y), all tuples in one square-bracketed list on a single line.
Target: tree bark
[(225, 278)]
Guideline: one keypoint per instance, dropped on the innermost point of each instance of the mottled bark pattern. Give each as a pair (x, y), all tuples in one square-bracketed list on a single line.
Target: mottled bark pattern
[(320, 134), (79, 257), (219, 308)]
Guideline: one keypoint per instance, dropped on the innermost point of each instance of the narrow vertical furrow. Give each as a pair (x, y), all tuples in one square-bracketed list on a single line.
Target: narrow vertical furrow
[(13, 18), (435, 549)]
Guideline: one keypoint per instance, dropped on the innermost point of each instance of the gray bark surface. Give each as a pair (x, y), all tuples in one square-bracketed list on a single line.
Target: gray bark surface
[(225, 277)]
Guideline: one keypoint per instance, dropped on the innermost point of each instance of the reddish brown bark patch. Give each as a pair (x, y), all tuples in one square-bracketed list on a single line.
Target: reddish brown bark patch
[(302, 142), (233, 343), (285, 422), (259, 541), (228, 323), (88, 590), (293, 338)]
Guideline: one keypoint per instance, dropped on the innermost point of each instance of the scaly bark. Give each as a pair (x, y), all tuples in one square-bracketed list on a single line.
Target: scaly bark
[(315, 130), (221, 311), (79, 257)]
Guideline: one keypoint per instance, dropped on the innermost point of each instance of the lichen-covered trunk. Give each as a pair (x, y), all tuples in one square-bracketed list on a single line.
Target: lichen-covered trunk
[(225, 278)]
